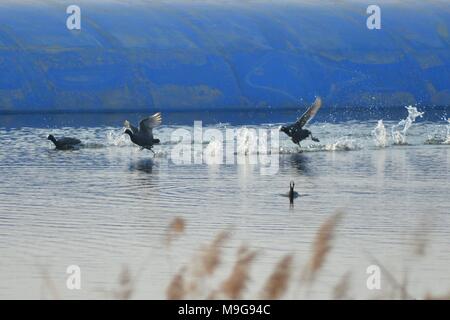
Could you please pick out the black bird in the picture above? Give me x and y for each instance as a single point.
(143, 136)
(64, 143)
(296, 131)
(292, 194)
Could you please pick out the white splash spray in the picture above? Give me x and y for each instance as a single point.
(399, 130)
(116, 139)
(342, 144)
(246, 142)
(447, 140)
(380, 134)
(213, 153)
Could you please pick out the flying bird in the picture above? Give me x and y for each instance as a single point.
(64, 143)
(143, 136)
(296, 131)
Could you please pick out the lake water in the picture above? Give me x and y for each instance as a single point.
(107, 206)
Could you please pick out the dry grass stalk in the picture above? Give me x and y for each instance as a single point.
(125, 285)
(429, 296)
(395, 284)
(176, 227)
(207, 263)
(340, 291)
(211, 256)
(235, 284)
(278, 281)
(49, 284)
(322, 245)
(421, 236)
(176, 289)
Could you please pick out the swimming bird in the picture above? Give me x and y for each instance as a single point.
(64, 143)
(292, 194)
(296, 131)
(143, 136)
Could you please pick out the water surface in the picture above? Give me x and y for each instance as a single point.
(108, 205)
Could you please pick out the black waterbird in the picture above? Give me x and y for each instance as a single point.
(296, 131)
(143, 136)
(64, 143)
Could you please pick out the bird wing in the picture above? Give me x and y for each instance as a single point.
(69, 141)
(128, 125)
(147, 124)
(309, 114)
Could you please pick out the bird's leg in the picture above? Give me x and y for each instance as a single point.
(314, 139)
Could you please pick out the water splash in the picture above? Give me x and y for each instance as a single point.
(247, 141)
(447, 140)
(115, 138)
(213, 153)
(380, 134)
(342, 144)
(399, 130)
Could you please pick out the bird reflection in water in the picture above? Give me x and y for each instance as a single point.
(144, 165)
(300, 162)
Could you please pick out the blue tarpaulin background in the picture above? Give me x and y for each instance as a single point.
(211, 55)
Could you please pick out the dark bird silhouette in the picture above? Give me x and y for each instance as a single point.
(296, 131)
(64, 143)
(292, 194)
(143, 136)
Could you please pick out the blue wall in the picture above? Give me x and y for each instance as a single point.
(176, 55)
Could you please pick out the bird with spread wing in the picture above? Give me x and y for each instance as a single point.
(296, 131)
(143, 136)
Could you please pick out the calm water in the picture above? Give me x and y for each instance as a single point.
(108, 205)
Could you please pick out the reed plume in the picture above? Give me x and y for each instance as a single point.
(176, 228)
(210, 259)
(278, 282)
(49, 283)
(429, 296)
(176, 289)
(321, 246)
(235, 284)
(340, 291)
(125, 290)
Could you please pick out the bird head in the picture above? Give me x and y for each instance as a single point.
(284, 129)
(51, 137)
(291, 185)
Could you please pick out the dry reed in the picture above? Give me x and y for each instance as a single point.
(125, 290)
(176, 289)
(210, 259)
(235, 284)
(278, 282)
(176, 228)
(341, 289)
(321, 246)
(49, 283)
